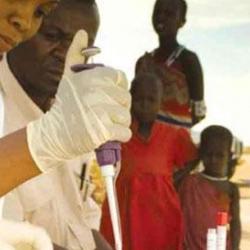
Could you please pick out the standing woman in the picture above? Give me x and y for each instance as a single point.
(85, 114)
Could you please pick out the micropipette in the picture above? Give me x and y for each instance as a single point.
(107, 156)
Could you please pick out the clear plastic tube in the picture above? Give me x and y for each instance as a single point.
(211, 239)
(108, 173)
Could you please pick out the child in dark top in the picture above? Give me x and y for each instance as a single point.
(151, 217)
(205, 194)
(178, 67)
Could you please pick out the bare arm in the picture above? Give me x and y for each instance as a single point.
(180, 174)
(235, 224)
(16, 164)
(146, 63)
(194, 75)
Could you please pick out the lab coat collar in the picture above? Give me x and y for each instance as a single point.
(13, 90)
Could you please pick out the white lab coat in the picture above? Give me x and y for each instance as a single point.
(51, 200)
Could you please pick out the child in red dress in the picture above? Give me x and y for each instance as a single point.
(151, 218)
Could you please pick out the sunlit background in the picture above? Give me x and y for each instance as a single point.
(218, 31)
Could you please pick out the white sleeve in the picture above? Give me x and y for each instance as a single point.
(15, 234)
(1, 112)
(92, 213)
(37, 192)
(12, 207)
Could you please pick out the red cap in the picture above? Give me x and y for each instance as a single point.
(222, 219)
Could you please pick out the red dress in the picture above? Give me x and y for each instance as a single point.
(151, 217)
(200, 207)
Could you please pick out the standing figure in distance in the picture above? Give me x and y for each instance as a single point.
(178, 67)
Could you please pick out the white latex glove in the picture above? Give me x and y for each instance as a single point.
(22, 235)
(91, 108)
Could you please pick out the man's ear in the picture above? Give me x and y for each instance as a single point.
(183, 22)
(231, 156)
(200, 153)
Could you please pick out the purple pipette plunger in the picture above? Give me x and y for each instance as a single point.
(109, 153)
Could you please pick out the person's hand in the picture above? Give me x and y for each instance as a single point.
(22, 236)
(91, 108)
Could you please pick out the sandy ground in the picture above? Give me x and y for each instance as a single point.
(242, 177)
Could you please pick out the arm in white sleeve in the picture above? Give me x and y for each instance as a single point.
(14, 235)
(12, 207)
(5, 246)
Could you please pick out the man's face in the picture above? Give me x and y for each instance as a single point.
(42, 58)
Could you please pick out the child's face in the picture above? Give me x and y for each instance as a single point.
(146, 101)
(215, 157)
(167, 18)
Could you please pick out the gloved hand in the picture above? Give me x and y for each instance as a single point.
(18, 236)
(91, 108)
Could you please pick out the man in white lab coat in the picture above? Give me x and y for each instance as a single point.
(29, 77)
